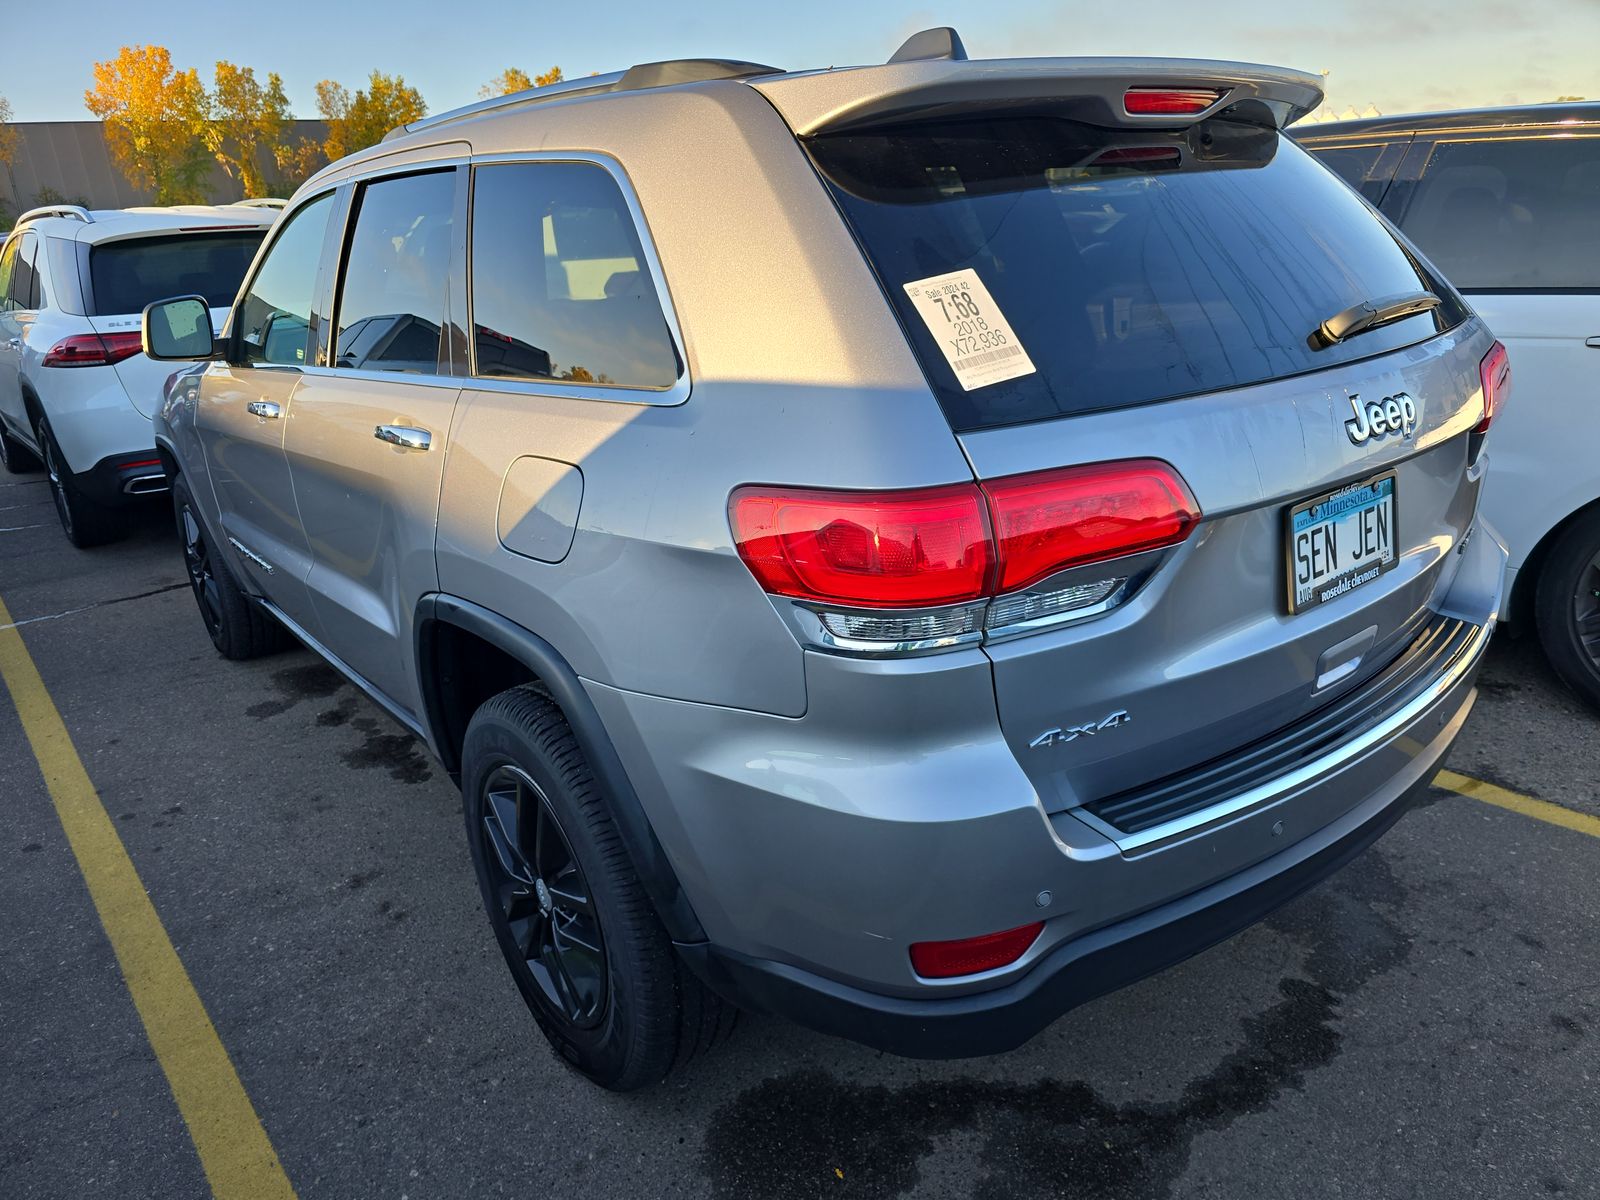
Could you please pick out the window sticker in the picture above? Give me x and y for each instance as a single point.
(969, 327)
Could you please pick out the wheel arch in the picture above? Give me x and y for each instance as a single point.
(502, 654)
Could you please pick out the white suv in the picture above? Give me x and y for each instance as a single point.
(75, 390)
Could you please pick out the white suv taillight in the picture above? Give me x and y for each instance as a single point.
(934, 566)
(92, 350)
(1495, 373)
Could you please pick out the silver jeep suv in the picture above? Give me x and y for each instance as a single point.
(909, 547)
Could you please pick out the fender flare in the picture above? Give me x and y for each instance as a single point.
(649, 860)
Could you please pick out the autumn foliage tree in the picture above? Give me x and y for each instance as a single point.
(154, 117)
(515, 79)
(249, 126)
(360, 120)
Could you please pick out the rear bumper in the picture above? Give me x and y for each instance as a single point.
(1079, 970)
(123, 478)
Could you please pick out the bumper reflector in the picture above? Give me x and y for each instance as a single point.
(969, 956)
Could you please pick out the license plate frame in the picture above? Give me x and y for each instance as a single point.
(1382, 485)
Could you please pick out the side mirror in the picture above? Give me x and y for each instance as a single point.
(178, 330)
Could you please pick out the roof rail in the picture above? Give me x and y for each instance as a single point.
(644, 75)
(931, 45)
(260, 202)
(76, 211)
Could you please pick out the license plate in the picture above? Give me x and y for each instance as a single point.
(1340, 541)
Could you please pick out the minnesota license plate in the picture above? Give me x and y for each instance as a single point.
(1340, 541)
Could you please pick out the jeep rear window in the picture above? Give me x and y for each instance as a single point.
(1131, 265)
(130, 274)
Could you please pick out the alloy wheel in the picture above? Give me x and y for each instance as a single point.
(202, 577)
(58, 490)
(1586, 609)
(541, 895)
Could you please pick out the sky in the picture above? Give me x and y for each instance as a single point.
(1400, 55)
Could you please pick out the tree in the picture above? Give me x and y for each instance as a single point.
(515, 79)
(154, 116)
(8, 154)
(358, 121)
(249, 126)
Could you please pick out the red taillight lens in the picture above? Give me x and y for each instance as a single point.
(968, 956)
(899, 549)
(92, 350)
(944, 545)
(1495, 372)
(1151, 102)
(1063, 518)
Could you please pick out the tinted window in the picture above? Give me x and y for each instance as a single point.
(1510, 213)
(560, 287)
(128, 275)
(8, 263)
(397, 270)
(1364, 168)
(1130, 267)
(24, 293)
(275, 314)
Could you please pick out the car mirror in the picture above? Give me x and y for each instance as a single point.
(178, 329)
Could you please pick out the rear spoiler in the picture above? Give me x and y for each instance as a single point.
(1087, 89)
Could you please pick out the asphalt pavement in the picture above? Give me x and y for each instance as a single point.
(1421, 1025)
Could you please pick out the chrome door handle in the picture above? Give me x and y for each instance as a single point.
(263, 408)
(13, 343)
(404, 435)
(1593, 343)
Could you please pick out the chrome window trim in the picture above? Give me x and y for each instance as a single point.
(666, 397)
(1303, 776)
(431, 379)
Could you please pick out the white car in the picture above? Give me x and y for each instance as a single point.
(76, 391)
(1506, 203)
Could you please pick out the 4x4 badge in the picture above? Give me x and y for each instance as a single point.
(1376, 419)
(1068, 733)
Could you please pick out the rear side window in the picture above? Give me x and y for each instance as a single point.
(8, 265)
(1510, 212)
(560, 286)
(396, 273)
(24, 290)
(1129, 267)
(132, 273)
(274, 317)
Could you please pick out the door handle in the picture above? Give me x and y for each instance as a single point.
(263, 408)
(1593, 343)
(13, 343)
(404, 435)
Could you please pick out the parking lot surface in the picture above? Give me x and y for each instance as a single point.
(1425, 1023)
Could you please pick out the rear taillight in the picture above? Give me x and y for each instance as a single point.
(1047, 522)
(1157, 101)
(1495, 373)
(969, 956)
(964, 544)
(92, 350)
(871, 549)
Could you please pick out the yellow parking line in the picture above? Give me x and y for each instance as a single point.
(234, 1150)
(1539, 810)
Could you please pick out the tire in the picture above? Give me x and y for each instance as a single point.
(14, 456)
(85, 522)
(584, 945)
(1567, 606)
(239, 627)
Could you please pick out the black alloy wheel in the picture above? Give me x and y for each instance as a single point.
(543, 898)
(202, 576)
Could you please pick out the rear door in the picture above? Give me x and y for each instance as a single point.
(368, 438)
(1153, 295)
(1513, 218)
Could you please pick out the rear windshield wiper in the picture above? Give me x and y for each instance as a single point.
(1368, 315)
